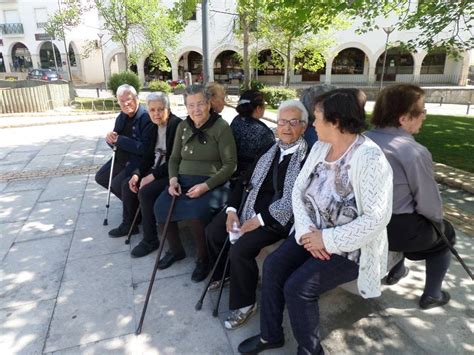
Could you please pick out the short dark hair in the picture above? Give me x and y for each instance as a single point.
(344, 108)
(309, 95)
(249, 101)
(394, 102)
(195, 89)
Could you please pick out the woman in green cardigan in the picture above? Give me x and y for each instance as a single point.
(203, 159)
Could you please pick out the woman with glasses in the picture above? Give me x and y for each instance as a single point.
(263, 196)
(399, 113)
(202, 161)
(342, 202)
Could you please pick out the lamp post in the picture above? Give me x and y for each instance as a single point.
(387, 30)
(102, 55)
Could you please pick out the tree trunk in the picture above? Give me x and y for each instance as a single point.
(125, 48)
(287, 64)
(246, 30)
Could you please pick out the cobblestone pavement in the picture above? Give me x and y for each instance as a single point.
(66, 288)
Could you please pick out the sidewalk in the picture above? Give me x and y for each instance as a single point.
(66, 288)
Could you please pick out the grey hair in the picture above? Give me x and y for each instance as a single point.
(158, 96)
(294, 104)
(194, 90)
(126, 89)
(309, 95)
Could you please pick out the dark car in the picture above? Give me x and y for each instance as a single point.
(43, 74)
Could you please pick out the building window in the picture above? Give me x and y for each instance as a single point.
(349, 61)
(398, 61)
(72, 56)
(270, 63)
(434, 63)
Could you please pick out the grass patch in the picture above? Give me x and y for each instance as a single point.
(450, 139)
(95, 104)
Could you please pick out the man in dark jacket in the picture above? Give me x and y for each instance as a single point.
(131, 136)
(151, 177)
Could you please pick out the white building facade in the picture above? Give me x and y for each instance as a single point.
(354, 59)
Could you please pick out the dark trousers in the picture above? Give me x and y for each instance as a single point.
(146, 198)
(118, 176)
(243, 267)
(291, 274)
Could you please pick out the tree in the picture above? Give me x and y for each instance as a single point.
(140, 26)
(441, 23)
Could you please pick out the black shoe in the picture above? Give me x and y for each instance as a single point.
(169, 259)
(122, 231)
(393, 279)
(428, 302)
(201, 271)
(254, 345)
(143, 249)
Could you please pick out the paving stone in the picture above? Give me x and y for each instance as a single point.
(172, 324)
(126, 345)
(3, 186)
(91, 236)
(48, 219)
(17, 157)
(8, 233)
(75, 161)
(23, 329)
(64, 187)
(54, 149)
(26, 185)
(5, 169)
(31, 147)
(95, 198)
(44, 162)
(16, 206)
(32, 271)
(105, 282)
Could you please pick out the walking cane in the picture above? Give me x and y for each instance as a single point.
(158, 163)
(198, 305)
(165, 231)
(452, 249)
(107, 205)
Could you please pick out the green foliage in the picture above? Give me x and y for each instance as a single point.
(65, 18)
(179, 88)
(124, 78)
(254, 85)
(275, 95)
(158, 85)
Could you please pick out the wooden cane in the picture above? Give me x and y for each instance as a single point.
(160, 250)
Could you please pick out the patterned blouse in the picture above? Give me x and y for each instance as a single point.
(329, 197)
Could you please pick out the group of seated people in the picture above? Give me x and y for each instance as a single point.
(337, 196)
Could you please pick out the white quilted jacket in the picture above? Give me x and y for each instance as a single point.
(371, 177)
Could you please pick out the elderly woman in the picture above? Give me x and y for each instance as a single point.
(266, 215)
(399, 114)
(151, 177)
(217, 96)
(252, 136)
(203, 159)
(342, 202)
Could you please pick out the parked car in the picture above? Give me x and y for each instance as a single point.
(43, 74)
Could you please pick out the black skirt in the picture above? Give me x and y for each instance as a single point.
(415, 236)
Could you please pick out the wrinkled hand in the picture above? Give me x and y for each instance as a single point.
(197, 190)
(146, 180)
(231, 219)
(111, 138)
(313, 243)
(250, 225)
(175, 187)
(133, 183)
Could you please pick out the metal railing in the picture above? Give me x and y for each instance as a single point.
(11, 28)
(41, 24)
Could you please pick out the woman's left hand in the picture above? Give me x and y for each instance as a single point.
(250, 225)
(197, 190)
(313, 242)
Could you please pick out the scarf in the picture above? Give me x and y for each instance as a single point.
(199, 132)
(280, 209)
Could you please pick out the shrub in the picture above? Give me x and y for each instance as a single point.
(124, 78)
(254, 85)
(179, 88)
(158, 85)
(275, 95)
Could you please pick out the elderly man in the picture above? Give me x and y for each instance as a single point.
(151, 177)
(131, 136)
(217, 96)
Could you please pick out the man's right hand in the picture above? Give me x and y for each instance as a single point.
(175, 187)
(231, 219)
(133, 183)
(111, 138)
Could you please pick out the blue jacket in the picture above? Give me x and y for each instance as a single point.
(141, 138)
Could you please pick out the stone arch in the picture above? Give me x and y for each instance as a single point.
(228, 66)
(21, 57)
(46, 55)
(368, 53)
(268, 57)
(309, 75)
(398, 62)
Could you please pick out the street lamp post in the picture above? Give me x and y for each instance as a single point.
(102, 55)
(387, 30)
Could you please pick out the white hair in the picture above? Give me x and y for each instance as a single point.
(294, 104)
(158, 96)
(126, 89)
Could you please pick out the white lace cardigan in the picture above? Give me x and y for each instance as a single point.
(371, 178)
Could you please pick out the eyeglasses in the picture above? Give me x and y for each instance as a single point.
(293, 122)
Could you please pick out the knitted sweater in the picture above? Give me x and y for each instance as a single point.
(216, 159)
(371, 177)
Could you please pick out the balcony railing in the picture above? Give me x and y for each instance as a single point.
(41, 24)
(11, 28)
